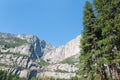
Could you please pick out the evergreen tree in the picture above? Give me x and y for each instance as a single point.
(87, 41)
(107, 12)
(102, 15)
(100, 44)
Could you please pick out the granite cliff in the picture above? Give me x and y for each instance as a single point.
(28, 56)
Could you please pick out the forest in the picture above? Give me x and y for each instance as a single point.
(100, 43)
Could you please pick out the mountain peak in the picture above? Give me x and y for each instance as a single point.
(69, 49)
(28, 55)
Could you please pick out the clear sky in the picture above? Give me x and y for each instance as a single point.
(56, 21)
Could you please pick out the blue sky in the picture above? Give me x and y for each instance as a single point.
(56, 21)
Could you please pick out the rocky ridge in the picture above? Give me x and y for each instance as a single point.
(25, 55)
(58, 54)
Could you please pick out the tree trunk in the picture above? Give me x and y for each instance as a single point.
(109, 67)
(101, 75)
(116, 73)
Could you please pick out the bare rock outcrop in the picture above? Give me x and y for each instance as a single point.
(24, 55)
(58, 54)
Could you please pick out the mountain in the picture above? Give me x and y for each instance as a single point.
(58, 54)
(24, 44)
(28, 56)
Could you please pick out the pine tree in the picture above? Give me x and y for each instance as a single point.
(107, 12)
(115, 24)
(100, 43)
(87, 41)
(103, 43)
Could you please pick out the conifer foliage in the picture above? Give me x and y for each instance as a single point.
(88, 38)
(100, 43)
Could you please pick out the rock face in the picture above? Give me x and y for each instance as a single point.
(56, 75)
(28, 56)
(62, 68)
(19, 53)
(31, 45)
(62, 52)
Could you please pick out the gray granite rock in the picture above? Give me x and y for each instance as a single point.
(58, 54)
(24, 59)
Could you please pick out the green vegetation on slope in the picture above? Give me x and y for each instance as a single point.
(15, 54)
(12, 42)
(42, 62)
(9, 76)
(62, 71)
(70, 60)
(5, 65)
